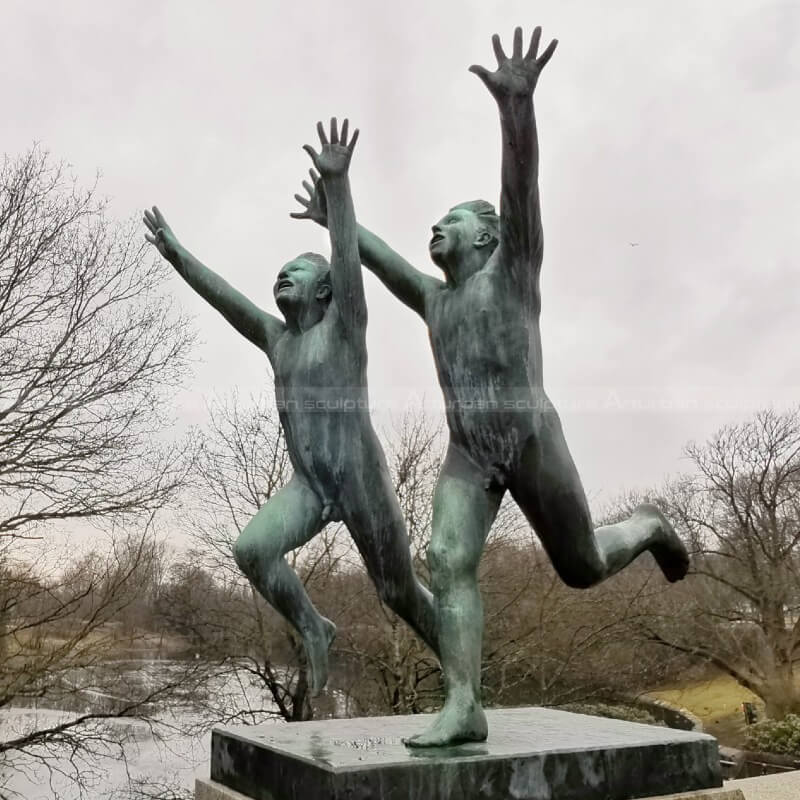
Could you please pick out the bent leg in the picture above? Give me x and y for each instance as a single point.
(547, 488)
(463, 513)
(286, 521)
(379, 532)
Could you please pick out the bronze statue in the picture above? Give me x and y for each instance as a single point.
(319, 359)
(505, 435)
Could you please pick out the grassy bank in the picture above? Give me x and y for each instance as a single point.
(717, 702)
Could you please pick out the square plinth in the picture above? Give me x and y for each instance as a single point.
(531, 754)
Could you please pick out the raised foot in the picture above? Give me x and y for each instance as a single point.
(455, 723)
(669, 551)
(317, 645)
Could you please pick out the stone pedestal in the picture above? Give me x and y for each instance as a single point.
(210, 790)
(531, 754)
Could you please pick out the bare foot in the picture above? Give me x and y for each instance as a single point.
(456, 722)
(669, 551)
(317, 645)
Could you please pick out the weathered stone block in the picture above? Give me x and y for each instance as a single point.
(531, 754)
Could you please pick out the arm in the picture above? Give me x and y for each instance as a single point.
(408, 284)
(261, 328)
(333, 162)
(512, 86)
(405, 282)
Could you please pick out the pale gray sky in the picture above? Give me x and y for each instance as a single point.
(673, 125)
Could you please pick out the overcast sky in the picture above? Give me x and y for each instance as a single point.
(672, 126)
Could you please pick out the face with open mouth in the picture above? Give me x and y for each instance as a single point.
(452, 233)
(296, 281)
(303, 283)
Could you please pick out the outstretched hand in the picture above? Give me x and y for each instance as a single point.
(516, 76)
(316, 204)
(334, 156)
(160, 234)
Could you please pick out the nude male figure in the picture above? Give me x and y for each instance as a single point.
(319, 358)
(505, 435)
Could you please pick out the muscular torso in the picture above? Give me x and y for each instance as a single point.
(486, 346)
(321, 395)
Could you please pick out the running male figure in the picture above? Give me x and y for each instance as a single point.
(319, 357)
(483, 321)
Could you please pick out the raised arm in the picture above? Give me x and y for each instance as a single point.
(512, 86)
(333, 162)
(408, 284)
(261, 328)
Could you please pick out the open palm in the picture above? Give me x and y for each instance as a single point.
(335, 154)
(515, 76)
(316, 204)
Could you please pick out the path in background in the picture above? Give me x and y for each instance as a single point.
(770, 787)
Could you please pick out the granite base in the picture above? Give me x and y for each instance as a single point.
(531, 754)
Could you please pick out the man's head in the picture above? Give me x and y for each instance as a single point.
(469, 232)
(304, 283)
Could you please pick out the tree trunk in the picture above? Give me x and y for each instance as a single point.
(781, 697)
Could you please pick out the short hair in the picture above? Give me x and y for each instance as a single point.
(322, 266)
(486, 215)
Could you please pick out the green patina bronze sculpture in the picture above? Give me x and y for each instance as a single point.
(319, 358)
(505, 435)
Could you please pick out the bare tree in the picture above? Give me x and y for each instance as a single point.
(91, 352)
(740, 509)
(89, 349)
(549, 644)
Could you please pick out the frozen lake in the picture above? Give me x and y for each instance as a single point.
(144, 761)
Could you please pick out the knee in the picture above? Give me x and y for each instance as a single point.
(578, 579)
(249, 553)
(580, 572)
(450, 560)
(243, 553)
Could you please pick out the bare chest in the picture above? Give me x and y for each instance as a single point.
(319, 370)
(478, 326)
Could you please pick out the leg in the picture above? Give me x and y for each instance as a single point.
(380, 534)
(463, 513)
(286, 521)
(547, 488)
